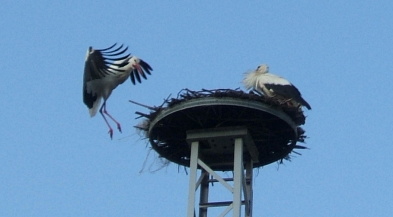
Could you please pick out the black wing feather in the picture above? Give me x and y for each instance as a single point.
(105, 49)
(119, 58)
(290, 92)
(132, 77)
(146, 67)
(137, 76)
(115, 52)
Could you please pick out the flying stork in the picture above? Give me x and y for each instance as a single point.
(273, 86)
(105, 69)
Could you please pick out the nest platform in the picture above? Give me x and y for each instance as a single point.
(272, 126)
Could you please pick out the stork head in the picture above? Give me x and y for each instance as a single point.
(262, 69)
(139, 68)
(134, 62)
(251, 79)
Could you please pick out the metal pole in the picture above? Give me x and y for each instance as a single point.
(237, 177)
(193, 175)
(204, 193)
(248, 186)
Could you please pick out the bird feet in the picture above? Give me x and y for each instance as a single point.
(110, 132)
(119, 127)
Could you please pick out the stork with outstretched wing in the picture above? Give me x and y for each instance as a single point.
(105, 69)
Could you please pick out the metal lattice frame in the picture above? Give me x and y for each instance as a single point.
(242, 178)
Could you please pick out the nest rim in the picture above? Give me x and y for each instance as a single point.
(200, 103)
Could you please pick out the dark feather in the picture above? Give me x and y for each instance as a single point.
(119, 58)
(146, 67)
(88, 98)
(115, 52)
(105, 49)
(137, 76)
(132, 77)
(288, 91)
(122, 64)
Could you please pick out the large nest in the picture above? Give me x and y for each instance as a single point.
(272, 123)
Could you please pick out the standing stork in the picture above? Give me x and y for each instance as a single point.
(105, 69)
(273, 86)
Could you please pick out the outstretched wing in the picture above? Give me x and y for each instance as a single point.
(98, 64)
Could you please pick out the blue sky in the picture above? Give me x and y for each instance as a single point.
(57, 161)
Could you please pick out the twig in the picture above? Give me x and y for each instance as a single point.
(146, 106)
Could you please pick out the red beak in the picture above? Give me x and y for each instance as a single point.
(138, 67)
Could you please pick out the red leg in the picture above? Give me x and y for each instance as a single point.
(106, 121)
(110, 116)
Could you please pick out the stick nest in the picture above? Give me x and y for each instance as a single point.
(177, 150)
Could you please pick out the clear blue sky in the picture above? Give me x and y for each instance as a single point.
(57, 161)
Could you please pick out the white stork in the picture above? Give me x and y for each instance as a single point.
(273, 86)
(104, 71)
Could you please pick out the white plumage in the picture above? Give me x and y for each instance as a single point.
(104, 71)
(273, 86)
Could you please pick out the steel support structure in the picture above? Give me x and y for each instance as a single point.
(241, 183)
